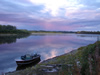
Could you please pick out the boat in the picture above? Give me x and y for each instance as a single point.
(27, 59)
(22, 67)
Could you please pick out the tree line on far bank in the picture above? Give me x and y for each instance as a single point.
(88, 32)
(77, 32)
(9, 29)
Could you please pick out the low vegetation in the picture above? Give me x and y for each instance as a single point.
(83, 61)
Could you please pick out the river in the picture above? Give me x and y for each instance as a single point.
(47, 45)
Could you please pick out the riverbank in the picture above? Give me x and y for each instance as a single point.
(84, 60)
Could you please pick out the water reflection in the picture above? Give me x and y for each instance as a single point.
(47, 46)
(10, 38)
(88, 35)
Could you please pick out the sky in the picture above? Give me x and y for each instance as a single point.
(51, 15)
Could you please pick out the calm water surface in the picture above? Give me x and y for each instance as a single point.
(47, 46)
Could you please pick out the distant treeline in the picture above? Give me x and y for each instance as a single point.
(88, 32)
(9, 29)
(77, 32)
(42, 31)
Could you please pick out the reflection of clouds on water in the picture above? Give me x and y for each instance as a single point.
(50, 54)
(88, 36)
(45, 51)
(47, 46)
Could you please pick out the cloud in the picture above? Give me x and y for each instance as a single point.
(53, 6)
(91, 3)
(51, 14)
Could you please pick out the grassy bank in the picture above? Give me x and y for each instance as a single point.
(83, 61)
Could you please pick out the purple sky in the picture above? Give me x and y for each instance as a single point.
(56, 15)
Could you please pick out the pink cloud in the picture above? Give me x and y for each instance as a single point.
(60, 25)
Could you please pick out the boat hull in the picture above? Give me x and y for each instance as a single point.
(22, 67)
(27, 62)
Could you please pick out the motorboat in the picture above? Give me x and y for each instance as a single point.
(27, 59)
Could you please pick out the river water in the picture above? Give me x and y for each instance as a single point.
(47, 45)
